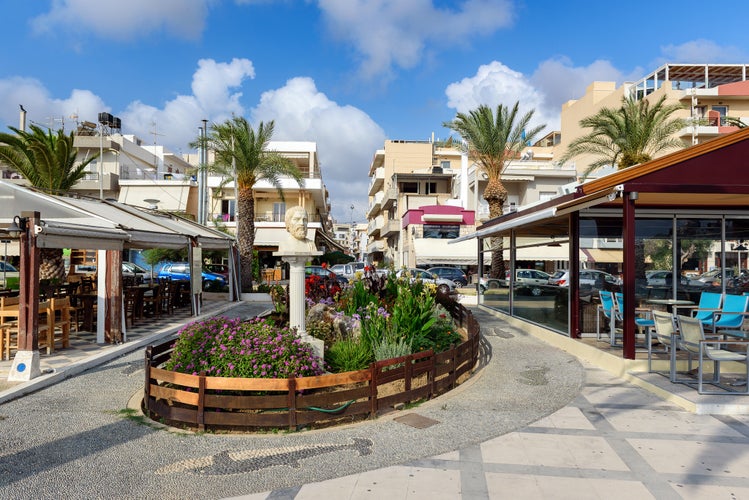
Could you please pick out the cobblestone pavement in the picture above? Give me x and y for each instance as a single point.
(533, 423)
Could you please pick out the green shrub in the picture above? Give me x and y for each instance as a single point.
(348, 355)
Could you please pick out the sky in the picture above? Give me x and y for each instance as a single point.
(346, 74)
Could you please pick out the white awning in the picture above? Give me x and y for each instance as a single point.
(438, 251)
(442, 217)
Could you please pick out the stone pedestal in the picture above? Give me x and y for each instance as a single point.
(25, 366)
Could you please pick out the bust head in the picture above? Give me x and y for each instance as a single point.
(296, 222)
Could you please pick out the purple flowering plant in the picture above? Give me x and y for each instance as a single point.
(224, 347)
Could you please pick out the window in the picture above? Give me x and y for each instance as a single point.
(431, 187)
(409, 187)
(445, 165)
(279, 212)
(441, 231)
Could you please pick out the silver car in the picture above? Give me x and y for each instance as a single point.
(443, 285)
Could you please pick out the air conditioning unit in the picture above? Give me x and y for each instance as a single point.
(436, 169)
(568, 188)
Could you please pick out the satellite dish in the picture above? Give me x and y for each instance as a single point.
(152, 203)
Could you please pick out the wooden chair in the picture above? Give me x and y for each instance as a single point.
(152, 303)
(58, 323)
(8, 324)
(131, 299)
(46, 328)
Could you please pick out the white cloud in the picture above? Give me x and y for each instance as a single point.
(346, 138)
(118, 20)
(211, 99)
(494, 84)
(559, 81)
(702, 51)
(554, 82)
(43, 109)
(388, 33)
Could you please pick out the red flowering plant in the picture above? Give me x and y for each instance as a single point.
(321, 289)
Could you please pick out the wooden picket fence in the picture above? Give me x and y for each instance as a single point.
(246, 404)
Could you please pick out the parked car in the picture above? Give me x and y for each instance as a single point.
(180, 271)
(530, 281)
(711, 278)
(7, 271)
(140, 274)
(590, 277)
(221, 269)
(324, 271)
(450, 273)
(663, 278)
(345, 270)
(443, 285)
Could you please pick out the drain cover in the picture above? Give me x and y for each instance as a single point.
(416, 420)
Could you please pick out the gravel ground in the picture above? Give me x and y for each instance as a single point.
(73, 438)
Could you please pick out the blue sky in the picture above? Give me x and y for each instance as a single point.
(348, 74)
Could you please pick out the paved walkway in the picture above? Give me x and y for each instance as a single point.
(533, 423)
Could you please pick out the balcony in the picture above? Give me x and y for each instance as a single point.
(375, 225)
(376, 246)
(90, 182)
(390, 227)
(390, 198)
(377, 181)
(375, 205)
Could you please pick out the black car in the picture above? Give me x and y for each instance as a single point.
(450, 273)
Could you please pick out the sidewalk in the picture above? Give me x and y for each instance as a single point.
(533, 423)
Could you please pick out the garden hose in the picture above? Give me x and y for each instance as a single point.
(334, 410)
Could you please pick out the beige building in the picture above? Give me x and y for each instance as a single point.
(270, 209)
(424, 193)
(709, 93)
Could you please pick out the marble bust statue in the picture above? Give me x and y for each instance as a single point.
(296, 242)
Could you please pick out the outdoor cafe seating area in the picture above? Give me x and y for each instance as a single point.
(702, 345)
(72, 307)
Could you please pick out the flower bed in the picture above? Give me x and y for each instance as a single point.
(388, 340)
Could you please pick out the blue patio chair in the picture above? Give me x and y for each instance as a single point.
(709, 303)
(692, 339)
(643, 320)
(610, 313)
(731, 315)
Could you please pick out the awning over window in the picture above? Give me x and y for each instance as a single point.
(603, 254)
(429, 251)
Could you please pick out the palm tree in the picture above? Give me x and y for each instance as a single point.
(48, 161)
(492, 142)
(241, 153)
(632, 134)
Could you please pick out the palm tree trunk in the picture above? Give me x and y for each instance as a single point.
(246, 235)
(495, 195)
(52, 265)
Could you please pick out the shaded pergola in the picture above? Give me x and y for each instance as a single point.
(709, 179)
(107, 227)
